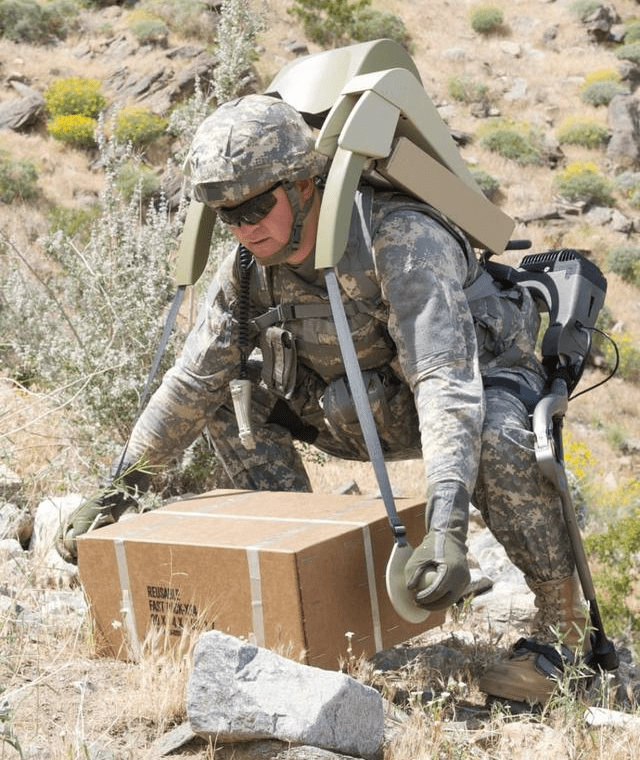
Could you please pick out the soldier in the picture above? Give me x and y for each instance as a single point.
(450, 370)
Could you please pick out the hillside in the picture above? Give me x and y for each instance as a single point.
(530, 71)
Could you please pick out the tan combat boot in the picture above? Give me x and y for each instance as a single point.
(531, 671)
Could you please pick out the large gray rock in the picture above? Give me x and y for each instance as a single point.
(22, 112)
(240, 692)
(50, 514)
(623, 116)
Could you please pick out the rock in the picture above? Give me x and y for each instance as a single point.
(16, 523)
(511, 48)
(50, 514)
(549, 37)
(240, 692)
(623, 118)
(539, 214)
(9, 548)
(523, 740)
(600, 216)
(629, 72)
(9, 483)
(600, 22)
(173, 740)
(509, 601)
(518, 90)
(455, 54)
(296, 47)
(621, 223)
(22, 112)
(597, 717)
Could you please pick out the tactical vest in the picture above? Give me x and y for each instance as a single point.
(303, 330)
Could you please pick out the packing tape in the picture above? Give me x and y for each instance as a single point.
(267, 518)
(373, 591)
(126, 608)
(255, 584)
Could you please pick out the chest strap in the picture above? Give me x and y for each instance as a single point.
(288, 311)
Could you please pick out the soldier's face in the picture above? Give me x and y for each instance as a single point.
(271, 234)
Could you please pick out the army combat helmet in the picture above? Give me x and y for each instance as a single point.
(248, 146)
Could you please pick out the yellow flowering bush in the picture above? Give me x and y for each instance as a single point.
(601, 86)
(581, 181)
(75, 129)
(602, 75)
(578, 458)
(575, 130)
(75, 95)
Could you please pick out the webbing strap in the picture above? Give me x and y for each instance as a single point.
(523, 392)
(287, 311)
(363, 408)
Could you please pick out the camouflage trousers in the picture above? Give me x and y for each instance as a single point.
(518, 504)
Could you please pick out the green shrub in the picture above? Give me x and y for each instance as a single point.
(615, 551)
(75, 129)
(37, 23)
(75, 95)
(150, 31)
(186, 17)
(630, 52)
(581, 181)
(515, 141)
(624, 260)
(18, 179)
(601, 93)
(628, 357)
(486, 19)
(328, 22)
(74, 223)
(139, 126)
(628, 183)
(133, 179)
(237, 31)
(632, 31)
(487, 183)
(588, 133)
(184, 121)
(369, 24)
(466, 90)
(584, 8)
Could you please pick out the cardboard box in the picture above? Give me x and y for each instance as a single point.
(293, 572)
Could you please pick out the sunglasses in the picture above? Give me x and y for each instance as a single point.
(250, 211)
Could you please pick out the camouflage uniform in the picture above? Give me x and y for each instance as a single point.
(425, 346)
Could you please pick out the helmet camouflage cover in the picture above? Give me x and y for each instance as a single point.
(249, 144)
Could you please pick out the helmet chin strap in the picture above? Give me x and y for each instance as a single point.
(299, 215)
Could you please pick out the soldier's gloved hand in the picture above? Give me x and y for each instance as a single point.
(104, 509)
(437, 571)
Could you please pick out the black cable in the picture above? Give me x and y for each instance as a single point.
(245, 258)
(613, 371)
